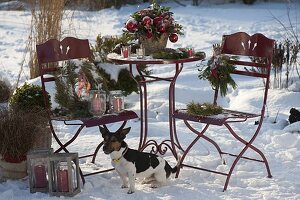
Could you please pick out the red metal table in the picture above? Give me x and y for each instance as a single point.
(173, 141)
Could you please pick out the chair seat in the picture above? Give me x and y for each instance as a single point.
(99, 120)
(227, 116)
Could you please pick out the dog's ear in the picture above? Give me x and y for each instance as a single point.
(124, 132)
(103, 131)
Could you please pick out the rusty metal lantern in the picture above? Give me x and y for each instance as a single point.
(65, 179)
(38, 168)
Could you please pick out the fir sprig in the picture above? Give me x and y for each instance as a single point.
(205, 109)
(169, 53)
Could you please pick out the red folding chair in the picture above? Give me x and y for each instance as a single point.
(49, 54)
(255, 58)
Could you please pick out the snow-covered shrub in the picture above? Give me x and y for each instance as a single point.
(27, 97)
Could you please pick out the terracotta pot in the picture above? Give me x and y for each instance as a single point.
(9, 170)
(13, 159)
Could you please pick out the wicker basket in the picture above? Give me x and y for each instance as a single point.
(152, 45)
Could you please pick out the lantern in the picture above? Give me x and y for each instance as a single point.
(65, 174)
(39, 171)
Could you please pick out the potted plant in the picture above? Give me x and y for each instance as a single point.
(18, 130)
(21, 127)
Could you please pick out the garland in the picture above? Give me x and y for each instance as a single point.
(205, 109)
(218, 71)
(174, 54)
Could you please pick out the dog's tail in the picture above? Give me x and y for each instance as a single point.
(170, 170)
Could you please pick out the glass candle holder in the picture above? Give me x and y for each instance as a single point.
(116, 101)
(125, 51)
(97, 102)
(140, 53)
(190, 52)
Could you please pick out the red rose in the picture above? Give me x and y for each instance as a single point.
(147, 20)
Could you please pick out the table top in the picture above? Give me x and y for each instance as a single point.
(117, 58)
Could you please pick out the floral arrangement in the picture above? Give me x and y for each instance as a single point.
(218, 71)
(153, 22)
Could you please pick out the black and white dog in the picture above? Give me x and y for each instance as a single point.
(131, 164)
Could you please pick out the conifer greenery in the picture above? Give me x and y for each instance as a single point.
(67, 87)
(218, 72)
(205, 109)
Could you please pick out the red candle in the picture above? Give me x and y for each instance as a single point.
(62, 180)
(40, 176)
(96, 104)
(125, 52)
(190, 52)
(117, 104)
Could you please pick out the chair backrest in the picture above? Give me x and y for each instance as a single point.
(69, 48)
(254, 52)
(52, 51)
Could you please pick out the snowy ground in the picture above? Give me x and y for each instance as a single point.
(203, 27)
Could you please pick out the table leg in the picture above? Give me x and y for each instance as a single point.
(172, 143)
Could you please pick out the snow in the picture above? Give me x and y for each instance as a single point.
(204, 26)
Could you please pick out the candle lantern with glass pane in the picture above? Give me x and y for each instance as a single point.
(116, 101)
(39, 171)
(97, 103)
(65, 174)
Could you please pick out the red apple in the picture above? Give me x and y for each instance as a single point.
(173, 37)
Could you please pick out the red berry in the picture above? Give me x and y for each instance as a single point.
(173, 37)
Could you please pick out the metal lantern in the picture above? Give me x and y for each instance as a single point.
(97, 103)
(116, 101)
(65, 174)
(38, 168)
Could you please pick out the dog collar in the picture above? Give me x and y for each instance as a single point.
(118, 160)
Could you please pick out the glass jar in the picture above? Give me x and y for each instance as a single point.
(116, 101)
(97, 102)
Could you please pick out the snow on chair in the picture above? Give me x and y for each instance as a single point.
(49, 54)
(251, 56)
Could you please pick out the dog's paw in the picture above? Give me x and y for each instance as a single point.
(130, 191)
(124, 186)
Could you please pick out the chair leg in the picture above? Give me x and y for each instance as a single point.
(249, 144)
(200, 134)
(96, 152)
(63, 146)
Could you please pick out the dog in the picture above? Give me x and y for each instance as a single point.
(131, 164)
